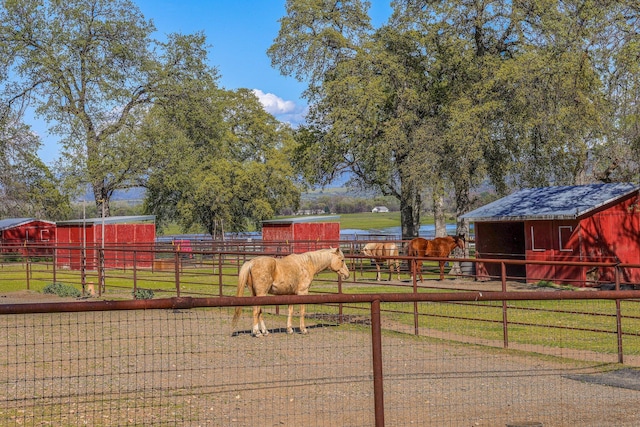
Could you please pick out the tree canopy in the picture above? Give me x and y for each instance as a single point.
(27, 186)
(221, 161)
(442, 97)
(134, 111)
(446, 95)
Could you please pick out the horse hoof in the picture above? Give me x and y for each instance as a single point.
(289, 331)
(304, 331)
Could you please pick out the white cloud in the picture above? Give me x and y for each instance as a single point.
(285, 111)
(273, 104)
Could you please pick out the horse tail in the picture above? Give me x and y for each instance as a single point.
(243, 278)
(412, 249)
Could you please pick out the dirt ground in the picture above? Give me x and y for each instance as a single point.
(28, 297)
(323, 378)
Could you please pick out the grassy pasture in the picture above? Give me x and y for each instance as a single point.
(362, 221)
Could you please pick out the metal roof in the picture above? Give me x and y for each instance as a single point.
(109, 220)
(16, 222)
(302, 219)
(566, 202)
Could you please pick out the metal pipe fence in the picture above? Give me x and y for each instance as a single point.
(82, 264)
(201, 273)
(180, 361)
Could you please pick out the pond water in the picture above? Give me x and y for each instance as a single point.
(426, 231)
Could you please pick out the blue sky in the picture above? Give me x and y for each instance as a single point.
(239, 32)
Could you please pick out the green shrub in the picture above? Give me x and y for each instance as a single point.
(546, 284)
(12, 257)
(61, 290)
(143, 293)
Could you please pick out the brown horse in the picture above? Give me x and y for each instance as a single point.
(379, 251)
(440, 247)
(291, 275)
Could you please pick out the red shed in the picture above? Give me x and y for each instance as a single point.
(303, 234)
(17, 232)
(122, 236)
(586, 223)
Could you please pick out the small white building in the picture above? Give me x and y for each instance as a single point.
(379, 209)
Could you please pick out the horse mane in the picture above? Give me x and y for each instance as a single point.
(318, 257)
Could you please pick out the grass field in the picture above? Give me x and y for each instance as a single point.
(362, 221)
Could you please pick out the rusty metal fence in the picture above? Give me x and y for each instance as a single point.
(204, 268)
(179, 361)
(378, 353)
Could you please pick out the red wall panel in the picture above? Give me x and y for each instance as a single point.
(301, 236)
(138, 238)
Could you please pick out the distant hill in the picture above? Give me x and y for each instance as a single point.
(130, 195)
(138, 194)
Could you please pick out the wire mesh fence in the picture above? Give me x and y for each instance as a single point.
(190, 366)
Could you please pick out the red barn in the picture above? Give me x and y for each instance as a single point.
(586, 223)
(300, 234)
(122, 235)
(16, 233)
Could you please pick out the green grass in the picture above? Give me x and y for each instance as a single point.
(372, 221)
(362, 221)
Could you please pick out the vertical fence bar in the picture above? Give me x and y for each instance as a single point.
(101, 284)
(376, 346)
(176, 265)
(416, 331)
(55, 259)
(355, 262)
(619, 317)
(340, 304)
(83, 268)
(135, 272)
(28, 274)
(505, 321)
(219, 273)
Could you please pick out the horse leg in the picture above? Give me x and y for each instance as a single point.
(263, 327)
(257, 314)
(303, 329)
(377, 271)
(441, 270)
(259, 329)
(289, 328)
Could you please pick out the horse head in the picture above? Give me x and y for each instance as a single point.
(460, 241)
(337, 263)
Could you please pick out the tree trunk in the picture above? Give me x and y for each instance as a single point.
(438, 210)
(102, 197)
(463, 204)
(410, 203)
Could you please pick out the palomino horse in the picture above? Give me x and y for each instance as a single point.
(379, 251)
(440, 247)
(291, 275)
